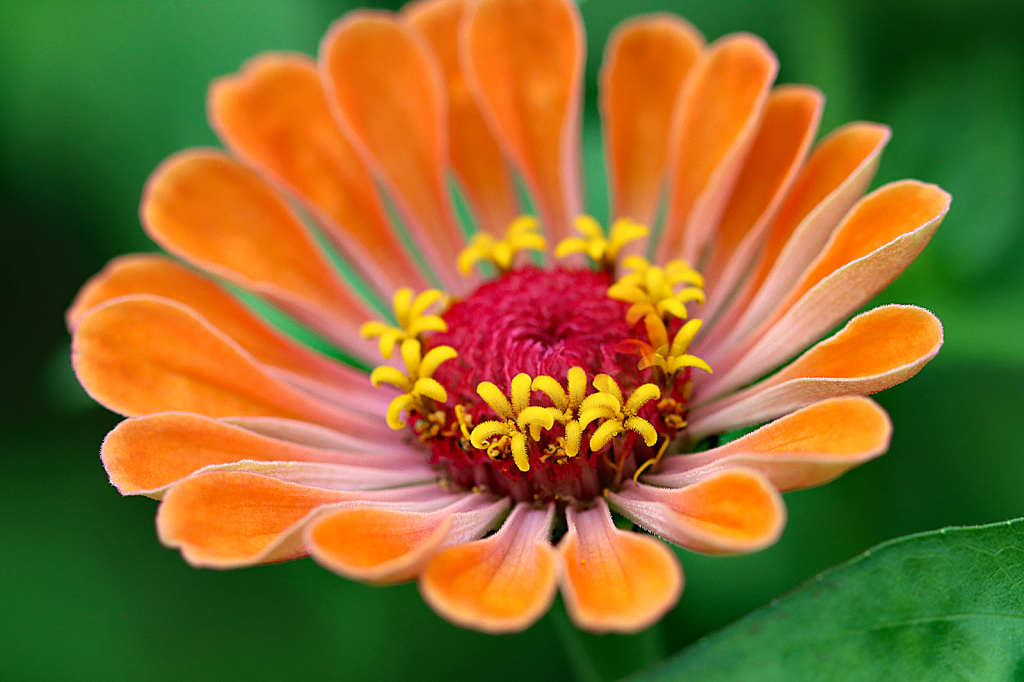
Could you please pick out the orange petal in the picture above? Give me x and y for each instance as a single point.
(809, 447)
(274, 115)
(614, 580)
(475, 155)
(232, 519)
(833, 179)
(502, 583)
(208, 209)
(144, 355)
(715, 125)
(146, 454)
(732, 511)
(645, 63)
(523, 60)
(387, 91)
(875, 350)
(142, 274)
(877, 240)
(315, 436)
(788, 126)
(381, 544)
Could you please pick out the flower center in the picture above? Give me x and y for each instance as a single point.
(546, 385)
(541, 324)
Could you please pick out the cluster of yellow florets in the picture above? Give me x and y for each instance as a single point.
(572, 408)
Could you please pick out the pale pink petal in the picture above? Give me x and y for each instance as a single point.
(875, 350)
(381, 543)
(879, 238)
(809, 447)
(788, 126)
(732, 511)
(833, 179)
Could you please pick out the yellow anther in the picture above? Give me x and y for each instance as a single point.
(603, 251)
(418, 384)
(566, 403)
(517, 419)
(523, 234)
(412, 320)
(656, 290)
(607, 404)
(677, 271)
(669, 357)
(464, 421)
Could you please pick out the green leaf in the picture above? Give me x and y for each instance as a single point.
(942, 605)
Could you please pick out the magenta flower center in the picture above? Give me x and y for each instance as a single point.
(540, 323)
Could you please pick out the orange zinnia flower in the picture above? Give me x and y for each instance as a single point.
(517, 411)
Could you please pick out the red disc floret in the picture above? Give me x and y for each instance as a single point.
(537, 322)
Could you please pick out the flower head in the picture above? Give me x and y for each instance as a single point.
(529, 407)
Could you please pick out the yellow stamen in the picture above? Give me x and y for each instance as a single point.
(607, 404)
(523, 234)
(603, 251)
(520, 419)
(566, 402)
(412, 320)
(670, 358)
(656, 290)
(418, 385)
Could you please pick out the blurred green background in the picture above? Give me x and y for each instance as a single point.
(93, 94)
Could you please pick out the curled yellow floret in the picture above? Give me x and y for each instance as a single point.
(418, 384)
(523, 234)
(412, 320)
(617, 415)
(518, 419)
(567, 401)
(671, 357)
(603, 251)
(658, 290)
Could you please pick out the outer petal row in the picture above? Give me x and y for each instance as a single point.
(208, 209)
(720, 501)
(157, 276)
(139, 355)
(879, 238)
(274, 116)
(875, 350)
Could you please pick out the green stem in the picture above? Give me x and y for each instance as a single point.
(576, 649)
(601, 658)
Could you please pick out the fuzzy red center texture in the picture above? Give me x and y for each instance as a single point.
(539, 322)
